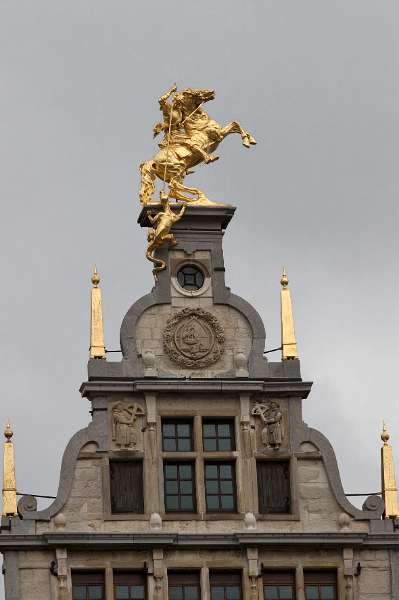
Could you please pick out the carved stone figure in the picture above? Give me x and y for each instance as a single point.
(271, 416)
(194, 338)
(125, 428)
(190, 137)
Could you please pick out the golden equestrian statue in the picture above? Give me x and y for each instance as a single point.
(190, 138)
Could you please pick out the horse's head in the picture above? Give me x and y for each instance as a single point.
(194, 97)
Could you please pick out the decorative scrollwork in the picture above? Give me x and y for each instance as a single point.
(27, 504)
(374, 503)
(194, 338)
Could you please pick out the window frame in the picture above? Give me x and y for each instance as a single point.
(219, 494)
(279, 578)
(199, 271)
(182, 578)
(177, 421)
(320, 577)
(224, 578)
(219, 421)
(180, 463)
(132, 574)
(86, 576)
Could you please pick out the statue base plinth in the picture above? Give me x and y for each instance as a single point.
(196, 217)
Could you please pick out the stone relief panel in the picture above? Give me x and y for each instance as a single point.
(269, 416)
(194, 338)
(127, 425)
(213, 344)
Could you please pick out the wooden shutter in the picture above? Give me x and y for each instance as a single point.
(279, 578)
(129, 578)
(225, 578)
(126, 483)
(274, 486)
(87, 578)
(191, 578)
(320, 577)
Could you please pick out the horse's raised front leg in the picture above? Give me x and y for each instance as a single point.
(234, 127)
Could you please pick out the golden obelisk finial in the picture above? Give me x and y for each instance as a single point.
(388, 479)
(9, 479)
(288, 340)
(97, 347)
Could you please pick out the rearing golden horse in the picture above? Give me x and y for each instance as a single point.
(191, 137)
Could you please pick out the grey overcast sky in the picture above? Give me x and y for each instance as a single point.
(317, 84)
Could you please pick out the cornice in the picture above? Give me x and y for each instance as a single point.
(275, 387)
(165, 540)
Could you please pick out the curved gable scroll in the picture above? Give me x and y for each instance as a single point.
(69, 459)
(315, 437)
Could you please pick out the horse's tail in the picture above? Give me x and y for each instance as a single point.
(159, 264)
(147, 186)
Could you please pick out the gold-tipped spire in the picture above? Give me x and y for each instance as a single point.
(9, 479)
(288, 340)
(97, 347)
(388, 479)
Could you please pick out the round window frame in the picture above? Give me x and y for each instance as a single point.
(191, 293)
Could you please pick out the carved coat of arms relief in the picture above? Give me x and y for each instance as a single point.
(194, 338)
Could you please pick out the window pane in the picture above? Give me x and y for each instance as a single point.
(95, 592)
(225, 471)
(224, 430)
(226, 487)
(172, 502)
(209, 430)
(327, 592)
(171, 472)
(183, 430)
(271, 592)
(227, 502)
(171, 487)
(79, 592)
(184, 444)
(286, 592)
(122, 592)
(224, 444)
(169, 445)
(176, 593)
(137, 592)
(212, 503)
(168, 430)
(312, 592)
(185, 471)
(212, 486)
(233, 593)
(186, 487)
(187, 503)
(211, 471)
(209, 445)
(190, 592)
(217, 593)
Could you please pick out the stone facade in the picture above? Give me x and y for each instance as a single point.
(81, 532)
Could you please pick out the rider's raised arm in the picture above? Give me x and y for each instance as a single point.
(163, 101)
